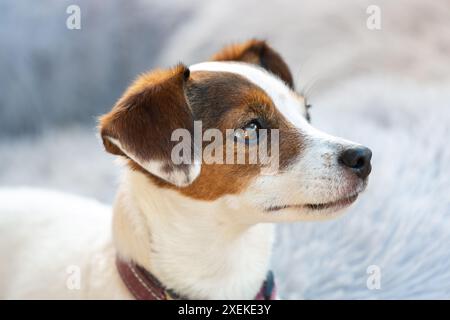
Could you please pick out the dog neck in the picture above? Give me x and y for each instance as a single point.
(198, 249)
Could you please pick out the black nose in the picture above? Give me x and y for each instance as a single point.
(358, 160)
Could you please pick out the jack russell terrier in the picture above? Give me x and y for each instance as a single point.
(190, 229)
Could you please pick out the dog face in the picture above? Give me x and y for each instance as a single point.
(245, 90)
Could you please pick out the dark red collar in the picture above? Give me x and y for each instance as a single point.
(144, 286)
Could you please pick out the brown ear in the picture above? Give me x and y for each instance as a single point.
(260, 53)
(141, 124)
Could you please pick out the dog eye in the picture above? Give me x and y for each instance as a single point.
(249, 132)
(252, 126)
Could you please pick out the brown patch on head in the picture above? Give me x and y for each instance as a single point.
(223, 100)
(260, 53)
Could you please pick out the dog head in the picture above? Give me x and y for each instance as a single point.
(243, 95)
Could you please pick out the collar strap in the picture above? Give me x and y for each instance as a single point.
(144, 286)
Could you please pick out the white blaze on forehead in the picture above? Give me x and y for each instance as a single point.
(284, 99)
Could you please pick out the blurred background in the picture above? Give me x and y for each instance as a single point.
(388, 89)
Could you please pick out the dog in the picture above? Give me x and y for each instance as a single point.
(191, 229)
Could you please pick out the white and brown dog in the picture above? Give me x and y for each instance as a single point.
(194, 230)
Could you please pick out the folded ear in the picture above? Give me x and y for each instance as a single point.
(141, 124)
(260, 53)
